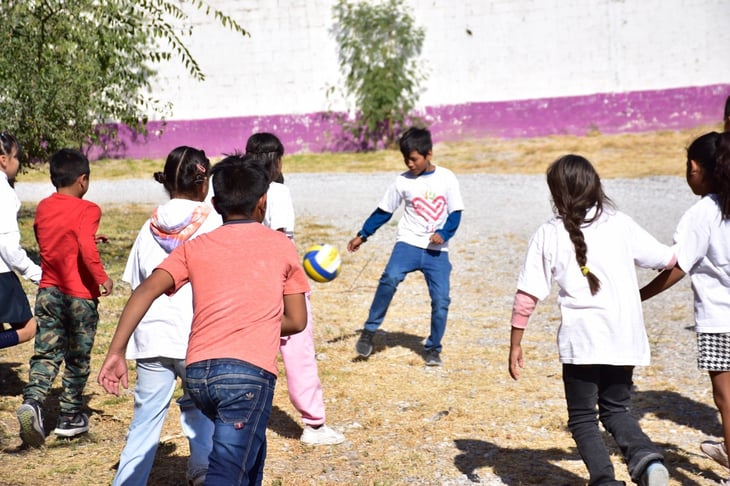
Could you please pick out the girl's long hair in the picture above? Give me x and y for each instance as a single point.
(576, 188)
(722, 173)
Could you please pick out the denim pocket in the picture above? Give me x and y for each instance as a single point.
(237, 403)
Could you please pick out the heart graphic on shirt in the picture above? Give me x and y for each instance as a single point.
(430, 210)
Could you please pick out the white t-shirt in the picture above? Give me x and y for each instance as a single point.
(702, 242)
(165, 328)
(429, 199)
(12, 255)
(606, 328)
(279, 209)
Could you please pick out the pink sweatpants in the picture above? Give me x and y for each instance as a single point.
(302, 375)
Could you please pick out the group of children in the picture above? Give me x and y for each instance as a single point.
(178, 321)
(172, 333)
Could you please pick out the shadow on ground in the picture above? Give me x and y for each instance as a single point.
(536, 466)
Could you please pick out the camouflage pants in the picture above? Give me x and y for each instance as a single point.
(66, 331)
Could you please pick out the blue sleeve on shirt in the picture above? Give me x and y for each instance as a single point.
(451, 225)
(375, 221)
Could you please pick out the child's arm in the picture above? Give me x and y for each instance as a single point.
(523, 307)
(114, 369)
(294, 319)
(516, 362)
(377, 219)
(88, 227)
(16, 258)
(661, 282)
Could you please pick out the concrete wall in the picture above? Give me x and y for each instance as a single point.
(495, 68)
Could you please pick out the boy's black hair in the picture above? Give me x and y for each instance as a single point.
(418, 139)
(66, 166)
(267, 147)
(239, 181)
(7, 143)
(727, 109)
(186, 168)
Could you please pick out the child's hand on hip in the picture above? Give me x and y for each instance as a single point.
(436, 239)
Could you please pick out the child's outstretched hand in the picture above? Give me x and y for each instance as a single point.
(516, 362)
(113, 372)
(354, 244)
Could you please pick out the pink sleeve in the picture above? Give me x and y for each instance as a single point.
(522, 309)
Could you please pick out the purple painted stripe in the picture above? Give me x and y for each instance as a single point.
(638, 111)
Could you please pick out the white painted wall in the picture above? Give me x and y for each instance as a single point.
(518, 49)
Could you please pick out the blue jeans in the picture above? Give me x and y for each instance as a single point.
(156, 378)
(237, 396)
(435, 267)
(609, 389)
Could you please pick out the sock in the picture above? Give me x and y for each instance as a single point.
(8, 338)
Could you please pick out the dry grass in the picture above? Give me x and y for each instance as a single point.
(466, 422)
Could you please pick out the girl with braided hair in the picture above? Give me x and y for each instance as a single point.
(702, 245)
(590, 249)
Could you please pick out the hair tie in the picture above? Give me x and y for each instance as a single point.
(585, 270)
(200, 167)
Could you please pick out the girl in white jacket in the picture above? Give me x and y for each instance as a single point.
(160, 341)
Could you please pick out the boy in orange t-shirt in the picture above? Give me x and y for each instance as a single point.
(248, 291)
(66, 306)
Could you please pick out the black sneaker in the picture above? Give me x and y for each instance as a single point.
(31, 423)
(364, 346)
(72, 425)
(432, 357)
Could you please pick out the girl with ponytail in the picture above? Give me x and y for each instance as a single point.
(590, 249)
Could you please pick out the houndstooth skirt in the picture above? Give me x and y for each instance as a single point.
(713, 351)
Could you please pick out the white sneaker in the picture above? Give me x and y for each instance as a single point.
(322, 435)
(716, 451)
(656, 474)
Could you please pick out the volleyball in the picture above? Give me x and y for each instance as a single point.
(322, 263)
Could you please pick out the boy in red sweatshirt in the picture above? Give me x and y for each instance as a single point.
(66, 306)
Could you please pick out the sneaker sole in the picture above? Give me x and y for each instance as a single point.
(71, 432)
(29, 434)
(327, 442)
